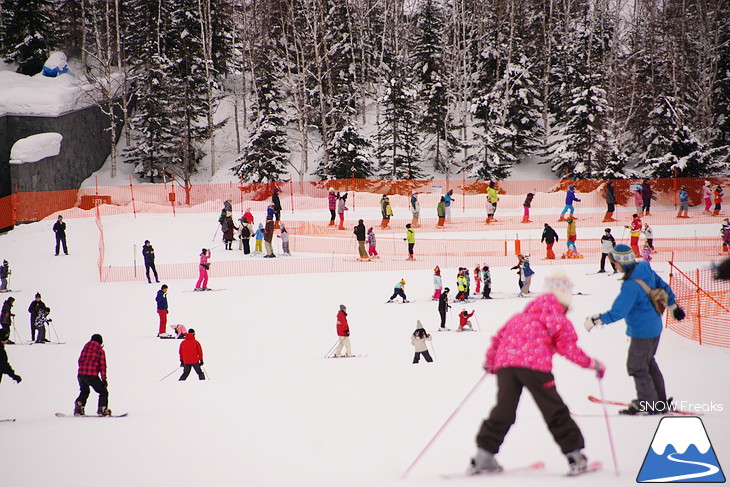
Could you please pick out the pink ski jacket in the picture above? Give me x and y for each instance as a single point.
(530, 339)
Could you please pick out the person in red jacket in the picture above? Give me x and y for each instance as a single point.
(464, 320)
(92, 373)
(191, 356)
(343, 332)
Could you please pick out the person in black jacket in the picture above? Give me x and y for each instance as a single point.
(6, 316)
(35, 306)
(277, 206)
(444, 307)
(5, 368)
(59, 228)
(149, 261)
(549, 236)
(361, 237)
(610, 202)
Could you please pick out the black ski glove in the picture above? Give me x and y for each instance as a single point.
(201, 362)
(181, 363)
(17, 378)
(104, 382)
(678, 313)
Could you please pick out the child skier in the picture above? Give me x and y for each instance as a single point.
(245, 230)
(725, 234)
(518, 268)
(526, 207)
(634, 233)
(649, 235)
(570, 198)
(203, 267)
(487, 278)
(4, 274)
(6, 316)
(162, 305)
(607, 244)
(572, 234)
(717, 199)
(464, 320)
(683, 203)
(707, 196)
(527, 274)
(410, 240)
(341, 209)
(284, 236)
(40, 324)
(386, 211)
(647, 252)
(418, 340)
(549, 236)
(478, 278)
(461, 285)
(521, 357)
(372, 253)
(332, 205)
(259, 236)
(492, 200)
(441, 212)
(398, 291)
(437, 284)
(638, 200)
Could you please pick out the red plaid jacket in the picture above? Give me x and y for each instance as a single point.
(92, 360)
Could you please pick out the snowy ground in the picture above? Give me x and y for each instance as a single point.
(274, 411)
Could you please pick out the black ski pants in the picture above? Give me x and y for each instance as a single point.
(398, 292)
(186, 371)
(510, 381)
(61, 240)
(246, 245)
(648, 379)
(442, 312)
(147, 267)
(425, 354)
(603, 262)
(86, 383)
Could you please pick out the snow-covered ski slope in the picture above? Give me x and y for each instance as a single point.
(274, 412)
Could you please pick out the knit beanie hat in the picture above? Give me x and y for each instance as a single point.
(419, 326)
(343, 307)
(622, 254)
(97, 338)
(560, 285)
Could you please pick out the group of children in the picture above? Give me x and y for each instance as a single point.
(38, 319)
(262, 235)
(482, 277)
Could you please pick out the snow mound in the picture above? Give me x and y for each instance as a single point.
(36, 147)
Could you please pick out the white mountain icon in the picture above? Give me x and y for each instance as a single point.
(681, 433)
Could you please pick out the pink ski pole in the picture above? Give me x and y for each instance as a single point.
(443, 427)
(608, 427)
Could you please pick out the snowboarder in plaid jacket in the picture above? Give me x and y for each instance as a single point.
(92, 374)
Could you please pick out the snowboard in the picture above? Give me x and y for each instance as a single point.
(63, 415)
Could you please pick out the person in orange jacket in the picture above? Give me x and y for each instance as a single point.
(191, 356)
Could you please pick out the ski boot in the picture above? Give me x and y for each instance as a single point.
(484, 462)
(577, 462)
(103, 411)
(78, 409)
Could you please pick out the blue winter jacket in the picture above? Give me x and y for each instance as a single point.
(570, 197)
(633, 304)
(161, 300)
(683, 196)
(526, 269)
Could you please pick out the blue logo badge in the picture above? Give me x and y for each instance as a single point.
(681, 452)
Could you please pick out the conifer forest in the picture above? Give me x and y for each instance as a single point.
(405, 89)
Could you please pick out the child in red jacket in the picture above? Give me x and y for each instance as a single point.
(191, 356)
(464, 320)
(343, 332)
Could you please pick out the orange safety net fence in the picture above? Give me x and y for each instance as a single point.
(707, 304)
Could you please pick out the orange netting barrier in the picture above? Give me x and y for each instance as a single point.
(707, 304)
(172, 197)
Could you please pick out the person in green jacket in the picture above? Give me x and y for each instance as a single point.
(492, 199)
(441, 212)
(411, 239)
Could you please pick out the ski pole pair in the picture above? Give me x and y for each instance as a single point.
(205, 372)
(332, 348)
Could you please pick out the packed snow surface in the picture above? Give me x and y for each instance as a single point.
(276, 412)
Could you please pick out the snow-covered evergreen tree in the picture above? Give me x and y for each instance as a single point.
(341, 88)
(398, 138)
(153, 144)
(427, 54)
(27, 33)
(492, 159)
(349, 156)
(266, 155)
(673, 147)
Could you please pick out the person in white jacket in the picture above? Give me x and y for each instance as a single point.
(415, 207)
(418, 340)
(607, 244)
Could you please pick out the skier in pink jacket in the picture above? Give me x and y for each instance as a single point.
(521, 357)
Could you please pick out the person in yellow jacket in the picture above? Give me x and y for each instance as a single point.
(462, 285)
(411, 239)
(492, 199)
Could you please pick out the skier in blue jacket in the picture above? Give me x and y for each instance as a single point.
(643, 326)
(569, 199)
